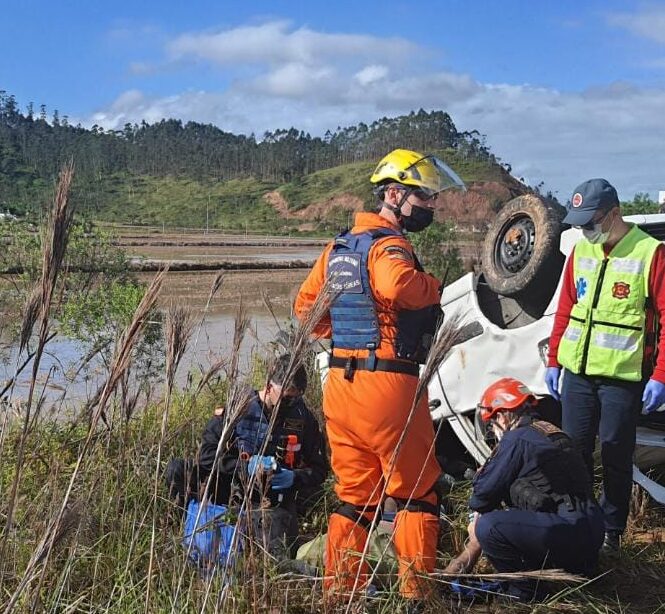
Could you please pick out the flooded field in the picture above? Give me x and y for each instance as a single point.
(249, 287)
(255, 290)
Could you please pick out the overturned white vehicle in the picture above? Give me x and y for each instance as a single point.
(507, 311)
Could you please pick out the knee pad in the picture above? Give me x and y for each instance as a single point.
(418, 505)
(357, 513)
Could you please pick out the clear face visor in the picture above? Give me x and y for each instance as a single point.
(484, 427)
(434, 175)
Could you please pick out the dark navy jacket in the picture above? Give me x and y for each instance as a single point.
(311, 464)
(519, 454)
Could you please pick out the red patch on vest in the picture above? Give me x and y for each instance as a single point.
(577, 199)
(620, 289)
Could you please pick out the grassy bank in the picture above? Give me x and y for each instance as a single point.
(101, 556)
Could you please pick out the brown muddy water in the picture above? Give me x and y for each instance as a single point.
(64, 387)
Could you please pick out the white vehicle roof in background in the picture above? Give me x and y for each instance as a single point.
(572, 235)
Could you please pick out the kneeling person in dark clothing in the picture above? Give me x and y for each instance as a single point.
(288, 460)
(533, 499)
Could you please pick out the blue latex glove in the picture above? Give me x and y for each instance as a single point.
(260, 463)
(653, 396)
(282, 479)
(552, 375)
(475, 588)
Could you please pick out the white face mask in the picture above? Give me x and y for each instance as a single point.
(596, 235)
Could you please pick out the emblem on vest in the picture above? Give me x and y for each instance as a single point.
(620, 290)
(345, 273)
(580, 287)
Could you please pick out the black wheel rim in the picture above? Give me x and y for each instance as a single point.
(513, 247)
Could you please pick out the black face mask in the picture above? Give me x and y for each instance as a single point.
(287, 402)
(419, 219)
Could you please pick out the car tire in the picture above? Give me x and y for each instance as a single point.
(521, 249)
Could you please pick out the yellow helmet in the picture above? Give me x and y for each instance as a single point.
(410, 168)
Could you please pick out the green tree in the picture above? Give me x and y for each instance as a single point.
(97, 295)
(437, 252)
(641, 203)
(97, 318)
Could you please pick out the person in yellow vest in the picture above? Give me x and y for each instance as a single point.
(604, 338)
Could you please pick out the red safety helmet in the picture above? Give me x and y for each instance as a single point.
(506, 394)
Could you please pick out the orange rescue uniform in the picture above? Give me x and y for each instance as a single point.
(367, 416)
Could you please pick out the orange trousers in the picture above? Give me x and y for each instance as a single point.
(365, 420)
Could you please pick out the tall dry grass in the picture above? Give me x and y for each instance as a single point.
(38, 562)
(38, 310)
(179, 327)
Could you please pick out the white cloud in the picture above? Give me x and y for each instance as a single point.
(276, 42)
(564, 139)
(371, 74)
(648, 22)
(304, 81)
(295, 80)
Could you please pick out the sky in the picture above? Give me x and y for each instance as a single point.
(564, 90)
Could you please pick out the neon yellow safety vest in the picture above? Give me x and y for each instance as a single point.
(606, 332)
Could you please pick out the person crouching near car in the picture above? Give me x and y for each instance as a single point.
(533, 500)
(288, 462)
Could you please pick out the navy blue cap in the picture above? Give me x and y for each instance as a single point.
(589, 197)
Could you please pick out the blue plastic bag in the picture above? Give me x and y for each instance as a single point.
(210, 541)
(472, 589)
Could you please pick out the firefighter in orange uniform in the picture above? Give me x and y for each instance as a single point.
(381, 321)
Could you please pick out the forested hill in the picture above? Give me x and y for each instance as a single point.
(193, 173)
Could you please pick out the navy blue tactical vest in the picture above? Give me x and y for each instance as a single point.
(353, 315)
(252, 428)
(355, 325)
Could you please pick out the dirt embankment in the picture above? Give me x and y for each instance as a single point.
(316, 211)
(478, 204)
(472, 208)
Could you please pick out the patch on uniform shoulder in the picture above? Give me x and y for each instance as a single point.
(620, 289)
(398, 253)
(546, 428)
(219, 411)
(294, 424)
(581, 287)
